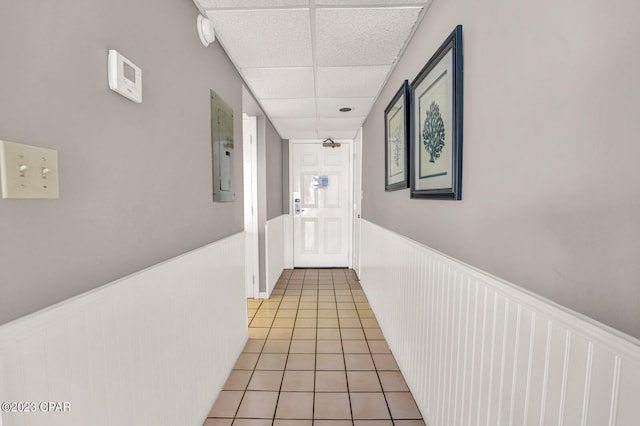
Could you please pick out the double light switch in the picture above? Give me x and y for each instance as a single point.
(28, 171)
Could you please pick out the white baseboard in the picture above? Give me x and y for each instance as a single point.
(476, 350)
(154, 348)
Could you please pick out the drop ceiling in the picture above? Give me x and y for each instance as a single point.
(305, 59)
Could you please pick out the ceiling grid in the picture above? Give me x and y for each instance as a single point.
(305, 59)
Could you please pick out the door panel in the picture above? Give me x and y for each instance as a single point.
(309, 236)
(332, 229)
(322, 225)
(334, 158)
(309, 194)
(333, 192)
(310, 159)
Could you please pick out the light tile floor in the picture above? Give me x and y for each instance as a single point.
(315, 356)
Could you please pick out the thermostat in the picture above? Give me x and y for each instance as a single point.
(124, 76)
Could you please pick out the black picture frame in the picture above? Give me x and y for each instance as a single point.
(436, 119)
(396, 140)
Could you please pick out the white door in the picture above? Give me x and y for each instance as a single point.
(321, 204)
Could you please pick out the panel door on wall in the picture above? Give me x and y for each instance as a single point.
(321, 205)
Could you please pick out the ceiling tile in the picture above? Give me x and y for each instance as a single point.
(359, 82)
(265, 38)
(302, 135)
(277, 108)
(364, 36)
(303, 60)
(330, 107)
(337, 134)
(251, 4)
(283, 83)
(369, 2)
(340, 124)
(296, 128)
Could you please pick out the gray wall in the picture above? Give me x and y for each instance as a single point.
(269, 186)
(135, 179)
(274, 172)
(285, 176)
(551, 184)
(272, 169)
(262, 198)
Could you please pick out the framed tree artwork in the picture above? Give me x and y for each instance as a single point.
(436, 117)
(396, 140)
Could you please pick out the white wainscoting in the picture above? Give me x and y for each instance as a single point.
(275, 234)
(154, 348)
(288, 242)
(476, 350)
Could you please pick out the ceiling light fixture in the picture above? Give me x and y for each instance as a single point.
(205, 31)
(345, 109)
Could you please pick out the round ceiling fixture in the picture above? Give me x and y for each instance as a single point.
(345, 109)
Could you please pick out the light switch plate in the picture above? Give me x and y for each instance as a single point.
(28, 172)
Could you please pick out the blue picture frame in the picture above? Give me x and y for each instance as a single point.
(396, 140)
(436, 123)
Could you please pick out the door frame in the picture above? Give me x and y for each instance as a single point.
(350, 218)
(250, 185)
(357, 199)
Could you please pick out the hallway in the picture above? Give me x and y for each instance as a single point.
(315, 356)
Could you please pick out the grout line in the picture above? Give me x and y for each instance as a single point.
(246, 388)
(384, 395)
(344, 358)
(312, 277)
(315, 355)
(284, 368)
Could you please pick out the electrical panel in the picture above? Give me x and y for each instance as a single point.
(222, 149)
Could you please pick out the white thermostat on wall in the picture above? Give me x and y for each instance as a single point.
(124, 76)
